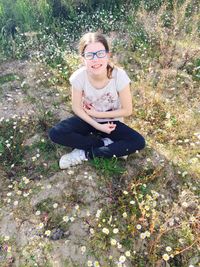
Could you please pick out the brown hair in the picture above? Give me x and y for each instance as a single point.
(93, 37)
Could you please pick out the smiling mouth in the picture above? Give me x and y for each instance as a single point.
(96, 66)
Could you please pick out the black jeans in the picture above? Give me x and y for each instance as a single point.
(76, 133)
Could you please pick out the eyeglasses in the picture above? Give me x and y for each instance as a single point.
(90, 55)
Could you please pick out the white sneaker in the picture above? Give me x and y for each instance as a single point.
(73, 158)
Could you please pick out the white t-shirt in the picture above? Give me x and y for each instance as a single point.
(104, 99)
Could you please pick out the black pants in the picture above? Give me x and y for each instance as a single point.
(76, 133)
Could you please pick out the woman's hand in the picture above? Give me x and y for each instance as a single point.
(90, 110)
(106, 127)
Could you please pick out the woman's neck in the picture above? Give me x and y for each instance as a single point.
(98, 77)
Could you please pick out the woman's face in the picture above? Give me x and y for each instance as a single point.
(96, 65)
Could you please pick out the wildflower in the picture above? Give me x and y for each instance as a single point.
(83, 249)
(96, 264)
(168, 249)
(119, 245)
(122, 259)
(41, 225)
(132, 202)
(138, 226)
(115, 230)
(8, 249)
(125, 192)
(88, 213)
(9, 194)
(98, 213)
(89, 263)
(77, 207)
(147, 233)
(165, 257)
(37, 213)
(105, 231)
(19, 192)
(184, 204)
(55, 205)
(34, 158)
(110, 257)
(25, 180)
(65, 218)
(6, 238)
(25, 194)
(143, 235)
(15, 203)
(49, 186)
(71, 219)
(47, 233)
(113, 242)
(127, 253)
(184, 174)
(91, 231)
(124, 215)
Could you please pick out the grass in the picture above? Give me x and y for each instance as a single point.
(8, 78)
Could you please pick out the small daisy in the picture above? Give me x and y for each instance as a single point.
(105, 231)
(122, 259)
(165, 257)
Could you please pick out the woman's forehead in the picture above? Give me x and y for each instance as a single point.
(93, 47)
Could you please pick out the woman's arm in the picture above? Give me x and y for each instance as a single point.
(79, 111)
(125, 110)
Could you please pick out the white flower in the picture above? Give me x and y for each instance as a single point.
(96, 264)
(19, 192)
(165, 257)
(147, 233)
(49, 186)
(91, 231)
(138, 226)
(47, 233)
(125, 192)
(122, 259)
(105, 231)
(89, 263)
(98, 213)
(119, 245)
(168, 249)
(83, 249)
(185, 204)
(37, 213)
(132, 202)
(71, 219)
(55, 205)
(15, 203)
(115, 230)
(113, 242)
(127, 253)
(124, 215)
(41, 225)
(6, 238)
(65, 218)
(143, 235)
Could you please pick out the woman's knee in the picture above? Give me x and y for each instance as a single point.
(141, 142)
(53, 134)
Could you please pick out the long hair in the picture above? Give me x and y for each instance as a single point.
(93, 37)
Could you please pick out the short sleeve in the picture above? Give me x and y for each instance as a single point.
(122, 79)
(77, 79)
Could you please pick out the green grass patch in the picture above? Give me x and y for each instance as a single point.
(8, 78)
